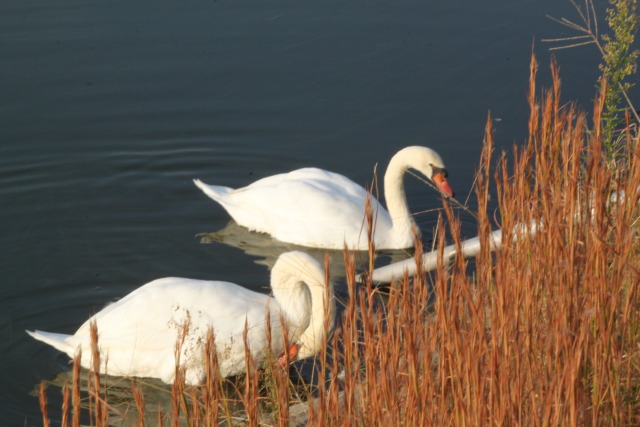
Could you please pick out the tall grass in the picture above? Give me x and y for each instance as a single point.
(546, 331)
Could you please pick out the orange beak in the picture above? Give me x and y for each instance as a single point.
(441, 181)
(284, 359)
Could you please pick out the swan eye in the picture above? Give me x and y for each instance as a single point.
(435, 170)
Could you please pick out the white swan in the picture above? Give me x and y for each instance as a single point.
(138, 334)
(317, 208)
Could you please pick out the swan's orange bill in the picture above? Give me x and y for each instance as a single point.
(441, 181)
(293, 352)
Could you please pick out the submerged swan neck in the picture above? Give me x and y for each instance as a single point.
(299, 286)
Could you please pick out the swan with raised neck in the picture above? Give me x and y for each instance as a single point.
(317, 208)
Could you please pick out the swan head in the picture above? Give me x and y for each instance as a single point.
(427, 162)
(439, 178)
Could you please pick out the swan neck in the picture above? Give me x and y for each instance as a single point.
(304, 296)
(320, 322)
(394, 193)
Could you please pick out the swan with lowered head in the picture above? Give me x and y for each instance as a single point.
(138, 334)
(317, 208)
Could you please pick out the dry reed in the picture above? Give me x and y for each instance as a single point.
(43, 405)
(546, 331)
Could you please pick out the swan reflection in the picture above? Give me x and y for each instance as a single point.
(267, 249)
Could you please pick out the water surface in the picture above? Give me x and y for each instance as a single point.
(110, 108)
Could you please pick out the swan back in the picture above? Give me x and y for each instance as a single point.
(305, 297)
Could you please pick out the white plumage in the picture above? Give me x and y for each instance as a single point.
(317, 208)
(138, 334)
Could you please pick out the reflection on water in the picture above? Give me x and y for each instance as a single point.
(158, 400)
(123, 408)
(157, 397)
(267, 249)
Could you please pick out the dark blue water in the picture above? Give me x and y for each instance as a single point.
(110, 108)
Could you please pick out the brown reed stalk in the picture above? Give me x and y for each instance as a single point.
(178, 399)
(250, 397)
(75, 389)
(370, 220)
(282, 381)
(98, 412)
(318, 417)
(212, 393)
(195, 414)
(349, 336)
(276, 380)
(43, 405)
(138, 398)
(65, 404)
(160, 416)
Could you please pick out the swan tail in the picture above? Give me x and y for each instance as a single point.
(57, 341)
(216, 192)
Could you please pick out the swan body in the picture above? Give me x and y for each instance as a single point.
(138, 334)
(317, 208)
